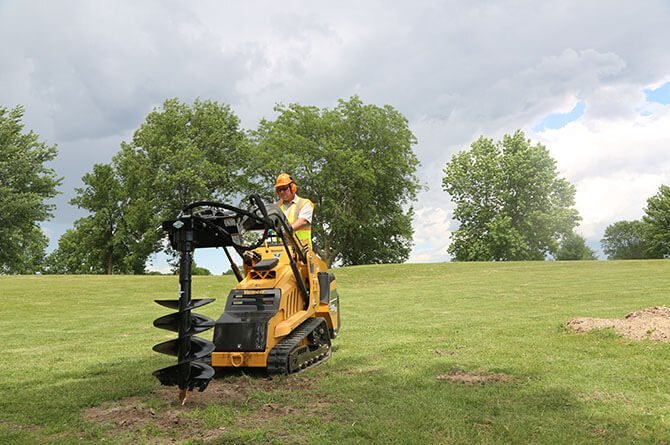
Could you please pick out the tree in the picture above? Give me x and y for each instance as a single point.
(26, 185)
(510, 202)
(198, 270)
(355, 162)
(657, 224)
(180, 154)
(77, 252)
(95, 244)
(625, 240)
(573, 247)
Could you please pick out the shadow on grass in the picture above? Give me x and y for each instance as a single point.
(418, 403)
(57, 398)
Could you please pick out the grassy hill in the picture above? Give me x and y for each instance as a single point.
(437, 353)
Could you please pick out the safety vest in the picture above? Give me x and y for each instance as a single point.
(304, 233)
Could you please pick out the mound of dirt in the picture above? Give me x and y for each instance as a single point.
(651, 323)
(474, 377)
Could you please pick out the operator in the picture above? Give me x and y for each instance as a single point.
(298, 211)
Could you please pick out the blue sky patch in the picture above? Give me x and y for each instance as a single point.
(660, 95)
(555, 121)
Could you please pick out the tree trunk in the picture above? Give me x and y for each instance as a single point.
(328, 256)
(110, 262)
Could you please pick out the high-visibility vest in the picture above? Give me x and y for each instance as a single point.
(304, 233)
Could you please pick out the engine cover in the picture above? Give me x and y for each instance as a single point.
(243, 326)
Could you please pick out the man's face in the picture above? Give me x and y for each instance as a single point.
(285, 193)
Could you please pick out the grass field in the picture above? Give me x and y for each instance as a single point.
(76, 352)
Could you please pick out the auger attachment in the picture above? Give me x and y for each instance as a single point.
(190, 372)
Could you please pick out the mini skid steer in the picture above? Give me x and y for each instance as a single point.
(281, 315)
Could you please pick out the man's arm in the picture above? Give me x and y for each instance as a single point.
(305, 216)
(298, 223)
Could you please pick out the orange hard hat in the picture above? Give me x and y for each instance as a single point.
(285, 179)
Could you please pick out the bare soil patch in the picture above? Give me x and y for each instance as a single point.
(132, 415)
(475, 377)
(651, 323)
(169, 422)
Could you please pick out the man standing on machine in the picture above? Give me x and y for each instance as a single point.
(298, 210)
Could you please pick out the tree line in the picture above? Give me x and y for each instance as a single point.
(354, 161)
(648, 237)
(513, 206)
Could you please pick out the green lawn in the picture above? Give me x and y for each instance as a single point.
(72, 343)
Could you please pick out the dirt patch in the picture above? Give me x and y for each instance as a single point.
(651, 323)
(12, 426)
(443, 352)
(475, 377)
(132, 415)
(165, 420)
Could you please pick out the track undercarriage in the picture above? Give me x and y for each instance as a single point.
(306, 347)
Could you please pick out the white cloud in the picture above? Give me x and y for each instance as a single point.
(431, 235)
(615, 164)
(595, 147)
(602, 201)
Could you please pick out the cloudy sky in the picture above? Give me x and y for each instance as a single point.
(590, 80)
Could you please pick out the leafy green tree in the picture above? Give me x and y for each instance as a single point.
(30, 258)
(573, 247)
(356, 163)
(77, 252)
(510, 202)
(180, 154)
(657, 224)
(199, 270)
(97, 242)
(625, 240)
(26, 185)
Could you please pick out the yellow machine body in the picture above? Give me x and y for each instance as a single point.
(293, 308)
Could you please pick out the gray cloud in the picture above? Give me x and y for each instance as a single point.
(89, 72)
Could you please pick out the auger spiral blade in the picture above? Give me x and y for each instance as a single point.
(200, 348)
(171, 322)
(195, 303)
(199, 375)
(189, 373)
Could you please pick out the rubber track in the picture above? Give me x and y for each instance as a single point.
(279, 356)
